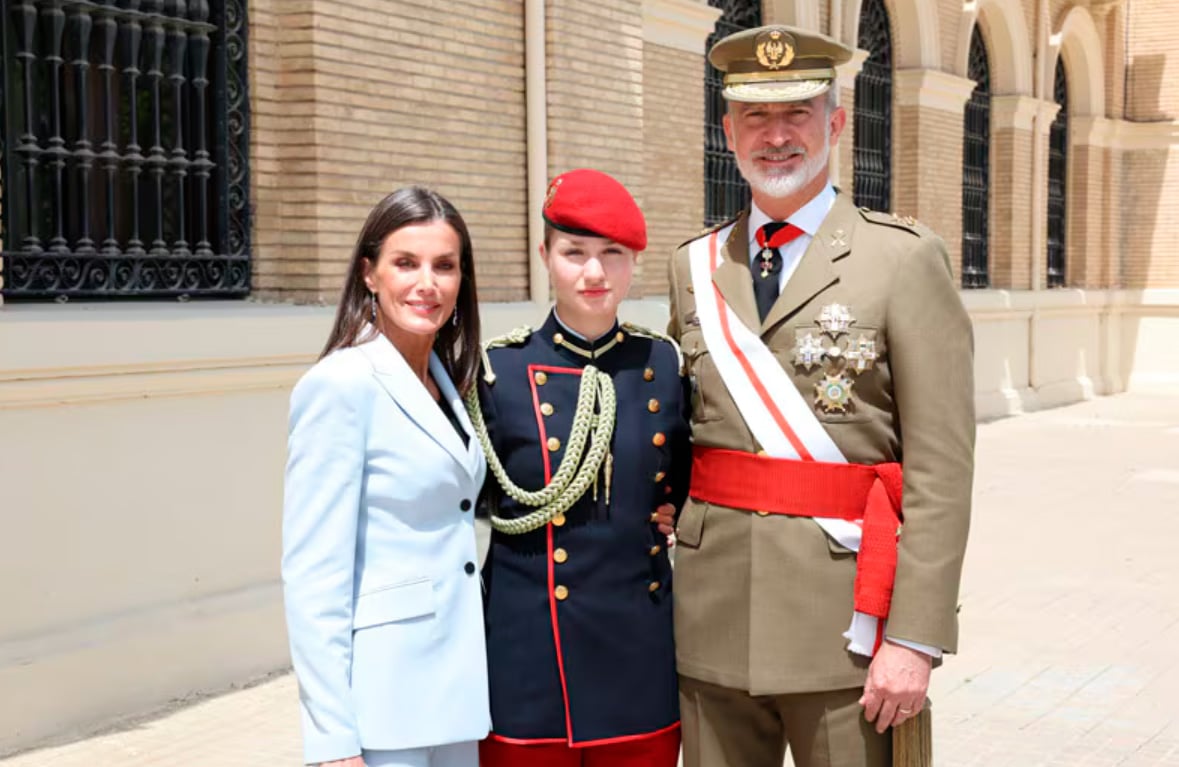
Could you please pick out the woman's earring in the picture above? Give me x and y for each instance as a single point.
(454, 317)
(372, 312)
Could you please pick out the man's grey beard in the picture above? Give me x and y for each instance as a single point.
(779, 184)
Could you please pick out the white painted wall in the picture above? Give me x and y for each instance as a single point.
(141, 456)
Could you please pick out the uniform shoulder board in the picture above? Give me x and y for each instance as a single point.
(642, 332)
(513, 337)
(896, 220)
(711, 229)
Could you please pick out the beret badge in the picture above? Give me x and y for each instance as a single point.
(775, 49)
(552, 193)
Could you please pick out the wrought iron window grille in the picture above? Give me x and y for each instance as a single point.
(872, 154)
(976, 162)
(1057, 180)
(125, 141)
(725, 191)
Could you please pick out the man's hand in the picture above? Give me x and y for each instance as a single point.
(664, 517)
(898, 679)
(352, 761)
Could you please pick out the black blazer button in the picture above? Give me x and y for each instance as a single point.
(470, 568)
(465, 505)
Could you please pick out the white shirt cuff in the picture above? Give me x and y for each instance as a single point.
(933, 652)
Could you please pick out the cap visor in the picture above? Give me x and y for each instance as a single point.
(782, 90)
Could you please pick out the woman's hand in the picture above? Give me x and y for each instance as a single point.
(352, 761)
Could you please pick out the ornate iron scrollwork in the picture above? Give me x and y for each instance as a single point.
(128, 124)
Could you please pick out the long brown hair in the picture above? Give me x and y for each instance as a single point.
(457, 347)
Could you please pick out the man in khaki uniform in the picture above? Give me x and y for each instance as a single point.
(832, 365)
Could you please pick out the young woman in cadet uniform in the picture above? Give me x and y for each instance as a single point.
(583, 422)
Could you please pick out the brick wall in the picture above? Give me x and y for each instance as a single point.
(367, 97)
(595, 92)
(1153, 76)
(673, 157)
(927, 172)
(1086, 221)
(1150, 226)
(1010, 232)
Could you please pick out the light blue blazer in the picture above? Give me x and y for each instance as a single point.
(383, 600)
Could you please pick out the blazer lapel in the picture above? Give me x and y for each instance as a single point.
(450, 395)
(399, 382)
(733, 277)
(816, 271)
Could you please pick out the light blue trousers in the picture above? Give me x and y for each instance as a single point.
(464, 754)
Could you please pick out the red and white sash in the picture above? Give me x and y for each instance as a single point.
(780, 419)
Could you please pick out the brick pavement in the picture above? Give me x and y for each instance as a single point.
(1069, 615)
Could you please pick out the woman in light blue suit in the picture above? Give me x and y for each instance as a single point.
(383, 601)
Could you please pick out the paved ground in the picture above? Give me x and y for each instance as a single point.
(1069, 620)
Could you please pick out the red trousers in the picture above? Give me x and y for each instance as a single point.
(661, 750)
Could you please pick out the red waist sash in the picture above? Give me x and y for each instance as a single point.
(869, 495)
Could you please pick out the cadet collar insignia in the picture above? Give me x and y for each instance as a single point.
(591, 353)
(840, 356)
(838, 239)
(775, 49)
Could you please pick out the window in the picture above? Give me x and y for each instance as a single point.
(1057, 172)
(873, 112)
(976, 161)
(125, 138)
(725, 192)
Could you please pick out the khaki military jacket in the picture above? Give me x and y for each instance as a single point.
(761, 602)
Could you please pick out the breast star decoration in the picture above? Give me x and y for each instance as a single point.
(840, 352)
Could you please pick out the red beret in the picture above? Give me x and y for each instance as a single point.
(588, 202)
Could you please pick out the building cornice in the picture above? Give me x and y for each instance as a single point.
(932, 89)
(846, 73)
(681, 24)
(1132, 136)
(1014, 111)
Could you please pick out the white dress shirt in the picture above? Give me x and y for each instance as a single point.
(808, 218)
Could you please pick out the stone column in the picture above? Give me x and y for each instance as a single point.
(927, 152)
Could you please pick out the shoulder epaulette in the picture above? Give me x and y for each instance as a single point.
(642, 332)
(711, 229)
(513, 337)
(895, 220)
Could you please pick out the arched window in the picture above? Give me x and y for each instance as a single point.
(1057, 170)
(873, 126)
(725, 192)
(976, 161)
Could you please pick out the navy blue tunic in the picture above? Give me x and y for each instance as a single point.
(579, 615)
